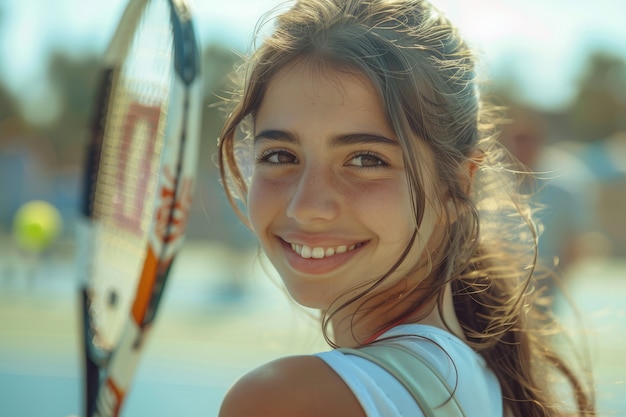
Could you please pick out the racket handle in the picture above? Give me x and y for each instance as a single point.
(92, 370)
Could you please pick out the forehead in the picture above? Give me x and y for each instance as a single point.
(309, 88)
(319, 77)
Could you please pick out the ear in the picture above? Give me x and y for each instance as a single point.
(467, 174)
(451, 211)
(469, 169)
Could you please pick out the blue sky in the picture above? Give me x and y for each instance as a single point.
(543, 42)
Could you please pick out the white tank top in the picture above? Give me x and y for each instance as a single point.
(381, 395)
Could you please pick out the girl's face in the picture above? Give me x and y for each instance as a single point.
(329, 198)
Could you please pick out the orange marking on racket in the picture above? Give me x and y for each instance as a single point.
(119, 396)
(170, 230)
(144, 289)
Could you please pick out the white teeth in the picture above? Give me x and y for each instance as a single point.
(306, 252)
(319, 252)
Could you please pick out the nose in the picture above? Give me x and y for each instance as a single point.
(315, 197)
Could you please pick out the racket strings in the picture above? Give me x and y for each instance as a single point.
(133, 145)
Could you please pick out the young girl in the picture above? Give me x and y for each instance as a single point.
(363, 158)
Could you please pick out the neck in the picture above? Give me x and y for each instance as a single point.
(376, 320)
(445, 319)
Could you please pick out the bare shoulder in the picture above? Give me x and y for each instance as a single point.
(297, 386)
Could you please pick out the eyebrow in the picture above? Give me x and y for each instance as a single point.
(335, 141)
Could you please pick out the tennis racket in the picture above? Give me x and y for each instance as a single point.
(139, 180)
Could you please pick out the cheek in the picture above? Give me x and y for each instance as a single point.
(386, 207)
(260, 202)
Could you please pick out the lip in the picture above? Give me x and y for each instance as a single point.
(315, 266)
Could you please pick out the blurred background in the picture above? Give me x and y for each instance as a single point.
(559, 66)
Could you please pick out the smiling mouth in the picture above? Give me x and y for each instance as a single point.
(308, 252)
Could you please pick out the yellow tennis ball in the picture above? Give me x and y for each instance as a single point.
(36, 225)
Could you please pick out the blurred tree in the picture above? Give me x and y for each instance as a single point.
(213, 217)
(218, 64)
(13, 127)
(8, 104)
(600, 108)
(73, 79)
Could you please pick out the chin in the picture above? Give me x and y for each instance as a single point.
(308, 301)
(309, 298)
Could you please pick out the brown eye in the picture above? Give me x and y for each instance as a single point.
(278, 157)
(367, 160)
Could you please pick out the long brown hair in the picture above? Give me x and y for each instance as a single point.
(425, 76)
